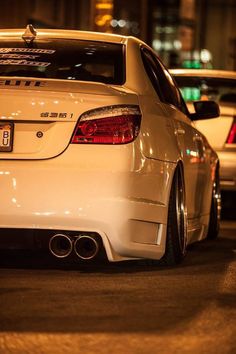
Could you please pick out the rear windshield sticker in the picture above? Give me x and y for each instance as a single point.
(27, 50)
(18, 56)
(23, 62)
(20, 59)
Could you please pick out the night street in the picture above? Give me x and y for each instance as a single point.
(50, 307)
(118, 177)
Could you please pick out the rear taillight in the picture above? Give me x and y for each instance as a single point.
(108, 125)
(231, 139)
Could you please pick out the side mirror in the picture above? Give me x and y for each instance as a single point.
(205, 110)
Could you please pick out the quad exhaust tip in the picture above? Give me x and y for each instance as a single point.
(84, 246)
(60, 245)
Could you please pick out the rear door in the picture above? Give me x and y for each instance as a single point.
(189, 140)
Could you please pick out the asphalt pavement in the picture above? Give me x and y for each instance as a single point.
(52, 307)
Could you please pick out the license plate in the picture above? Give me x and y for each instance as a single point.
(6, 136)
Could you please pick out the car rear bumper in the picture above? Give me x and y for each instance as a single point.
(227, 169)
(118, 200)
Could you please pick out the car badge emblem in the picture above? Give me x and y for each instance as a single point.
(29, 34)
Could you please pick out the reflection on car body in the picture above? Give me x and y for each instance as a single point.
(100, 158)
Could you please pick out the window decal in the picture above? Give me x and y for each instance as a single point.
(11, 58)
(23, 62)
(27, 50)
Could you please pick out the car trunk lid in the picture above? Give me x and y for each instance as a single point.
(42, 114)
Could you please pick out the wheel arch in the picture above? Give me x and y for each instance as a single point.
(179, 168)
(176, 237)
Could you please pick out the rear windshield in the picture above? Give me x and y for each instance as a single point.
(64, 59)
(217, 89)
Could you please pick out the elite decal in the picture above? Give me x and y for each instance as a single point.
(24, 83)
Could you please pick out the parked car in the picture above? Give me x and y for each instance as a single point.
(220, 132)
(98, 151)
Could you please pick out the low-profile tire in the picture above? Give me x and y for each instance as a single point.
(214, 222)
(176, 236)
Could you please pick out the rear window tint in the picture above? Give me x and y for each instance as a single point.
(64, 59)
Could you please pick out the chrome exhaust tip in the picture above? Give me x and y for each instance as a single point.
(86, 247)
(60, 245)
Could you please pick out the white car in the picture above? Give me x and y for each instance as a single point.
(98, 152)
(218, 85)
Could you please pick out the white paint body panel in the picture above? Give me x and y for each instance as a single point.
(119, 191)
(110, 192)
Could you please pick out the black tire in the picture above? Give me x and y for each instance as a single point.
(177, 223)
(214, 222)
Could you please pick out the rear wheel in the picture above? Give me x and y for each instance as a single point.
(177, 222)
(214, 222)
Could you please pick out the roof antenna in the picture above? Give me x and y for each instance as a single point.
(30, 34)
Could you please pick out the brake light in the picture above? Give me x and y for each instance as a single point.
(108, 125)
(231, 139)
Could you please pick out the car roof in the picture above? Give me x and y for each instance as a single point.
(69, 34)
(204, 73)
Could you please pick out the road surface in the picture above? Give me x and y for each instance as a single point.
(50, 307)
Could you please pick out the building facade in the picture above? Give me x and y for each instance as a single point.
(184, 33)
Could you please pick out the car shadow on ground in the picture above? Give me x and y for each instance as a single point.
(41, 296)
